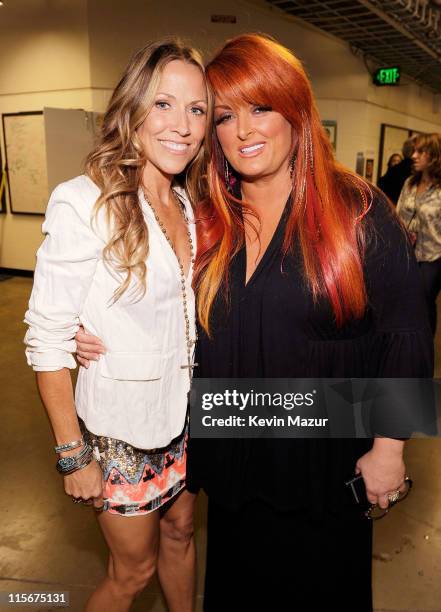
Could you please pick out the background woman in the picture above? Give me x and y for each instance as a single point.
(118, 259)
(303, 271)
(383, 181)
(394, 160)
(419, 207)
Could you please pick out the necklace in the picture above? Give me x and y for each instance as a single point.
(188, 341)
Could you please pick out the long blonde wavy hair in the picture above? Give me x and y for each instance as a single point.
(116, 164)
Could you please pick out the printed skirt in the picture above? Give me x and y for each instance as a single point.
(138, 481)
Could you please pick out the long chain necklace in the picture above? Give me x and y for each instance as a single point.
(189, 342)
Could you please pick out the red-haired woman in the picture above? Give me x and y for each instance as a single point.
(325, 285)
(419, 207)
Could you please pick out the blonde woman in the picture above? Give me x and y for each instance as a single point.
(118, 259)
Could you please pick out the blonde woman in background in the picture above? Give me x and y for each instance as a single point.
(118, 259)
(419, 207)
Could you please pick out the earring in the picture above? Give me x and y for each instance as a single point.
(311, 151)
(227, 173)
(292, 164)
(308, 148)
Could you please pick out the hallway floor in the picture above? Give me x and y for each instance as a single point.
(49, 543)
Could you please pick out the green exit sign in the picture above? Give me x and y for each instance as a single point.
(387, 76)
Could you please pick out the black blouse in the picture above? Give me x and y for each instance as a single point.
(271, 327)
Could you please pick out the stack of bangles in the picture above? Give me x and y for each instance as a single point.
(68, 465)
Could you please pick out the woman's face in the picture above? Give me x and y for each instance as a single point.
(394, 160)
(257, 141)
(421, 160)
(173, 131)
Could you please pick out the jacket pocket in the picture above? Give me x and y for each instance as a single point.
(131, 366)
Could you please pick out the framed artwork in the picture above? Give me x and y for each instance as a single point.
(3, 181)
(359, 163)
(25, 151)
(330, 128)
(369, 169)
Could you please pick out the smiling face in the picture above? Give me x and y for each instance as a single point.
(174, 128)
(257, 141)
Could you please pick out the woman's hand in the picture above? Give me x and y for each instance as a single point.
(383, 470)
(89, 348)
(86, 484)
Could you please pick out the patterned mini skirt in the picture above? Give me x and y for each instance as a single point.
(138, 481)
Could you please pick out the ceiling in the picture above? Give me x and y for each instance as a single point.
(406, 33)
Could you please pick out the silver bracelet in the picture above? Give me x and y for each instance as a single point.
(67, 465)
(68, 446)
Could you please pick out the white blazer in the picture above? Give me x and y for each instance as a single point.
(137, 392)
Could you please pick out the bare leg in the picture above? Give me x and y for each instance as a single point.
(133, 543)
(177, 553)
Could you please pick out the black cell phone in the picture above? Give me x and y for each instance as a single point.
(358, 491)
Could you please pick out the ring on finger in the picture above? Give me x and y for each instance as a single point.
(81, 500)
(393, 496)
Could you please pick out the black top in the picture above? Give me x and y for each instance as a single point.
(392, 182)
(273, 329)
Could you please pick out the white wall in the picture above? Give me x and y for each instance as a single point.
(44, 48)
(43, 45)
(133, 23)
(341, 82)
(20, 235)
(359, 127)
(70, 53)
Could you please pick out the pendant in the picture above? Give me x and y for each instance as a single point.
(190, 366)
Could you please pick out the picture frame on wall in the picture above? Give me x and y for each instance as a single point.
(25, 162)
(369, 169)
(359, 163)
(3, 181)
(330, 128)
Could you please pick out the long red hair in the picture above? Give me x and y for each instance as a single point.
(329, 201)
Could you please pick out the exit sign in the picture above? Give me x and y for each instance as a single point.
(387, 76)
